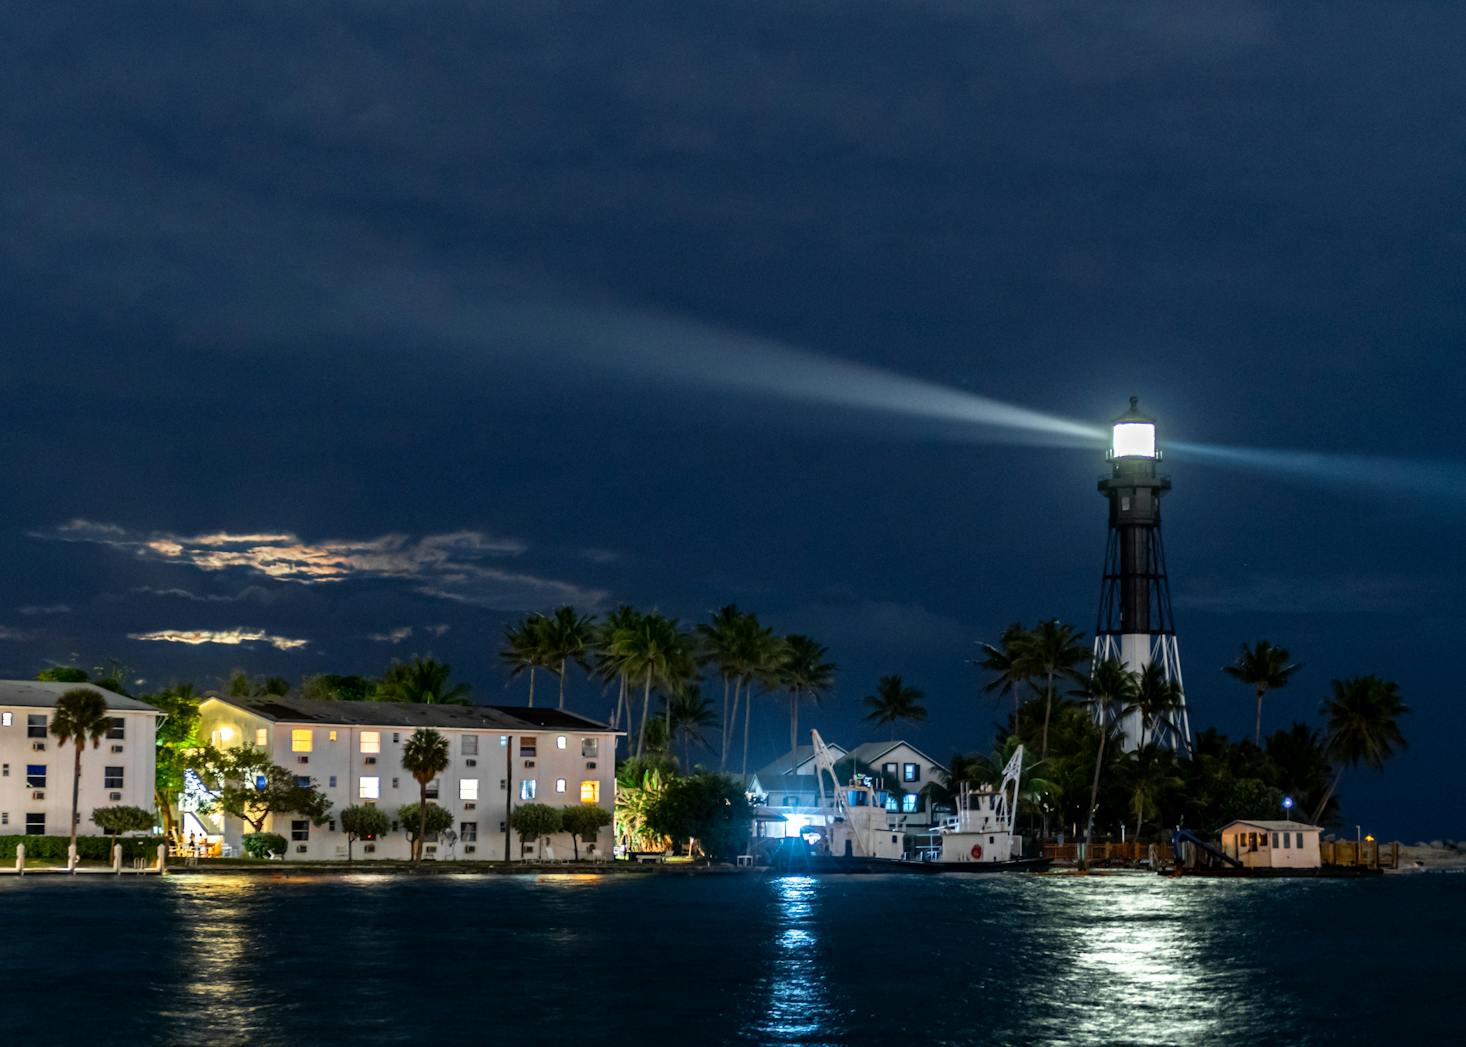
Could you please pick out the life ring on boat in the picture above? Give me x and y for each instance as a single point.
(977, 852)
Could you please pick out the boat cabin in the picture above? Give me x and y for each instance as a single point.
(1272, 844)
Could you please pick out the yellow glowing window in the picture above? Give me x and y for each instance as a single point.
(300, 740)
(590, 791)
(371, 741)
(333, 736)
(262, 737)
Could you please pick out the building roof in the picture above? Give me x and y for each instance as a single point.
(502, 718)
(785, 764)
(42, 694)
(1273, 826)
(870, 753)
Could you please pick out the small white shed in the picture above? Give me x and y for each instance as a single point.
(1273, 845)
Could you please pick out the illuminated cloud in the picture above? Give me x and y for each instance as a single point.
(229, 637)
(452, 566)
(7, 633)
(256, 593)
(436, 630)
(392, 636)
(50, 608)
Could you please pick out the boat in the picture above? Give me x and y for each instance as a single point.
(978, 839)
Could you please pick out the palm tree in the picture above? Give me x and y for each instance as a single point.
(717, 641)
(893, 701)
(422, 681)
(606, 665)
(567, 636)
(1008, 663)
(526, 648)
(1265, 668)
(803, 672)
(1111, 693)
(1149, 774)
(688, 713)
(1299, 756)
(1156, 698)
(758, 652)
(652, 650)
(424, 756)
(81, 716)
(1052, 649)
(1362, 727)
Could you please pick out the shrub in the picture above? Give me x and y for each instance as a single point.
(262, 845)
(123, 819)
(88, 848)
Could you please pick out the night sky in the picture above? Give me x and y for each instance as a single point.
(334, 333)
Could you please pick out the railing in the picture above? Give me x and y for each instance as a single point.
(1348, 853)
(1360, 853)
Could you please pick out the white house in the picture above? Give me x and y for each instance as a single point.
(36, 770)
(352, 751)
(1273, 845)
(787, 788)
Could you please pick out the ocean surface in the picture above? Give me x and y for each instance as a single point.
(755, 958)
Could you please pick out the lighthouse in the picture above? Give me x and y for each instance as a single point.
(1136, 626)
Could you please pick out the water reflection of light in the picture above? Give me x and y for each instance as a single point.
(797, 994)
(215, 995)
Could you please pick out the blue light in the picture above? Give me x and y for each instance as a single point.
(1287, 803)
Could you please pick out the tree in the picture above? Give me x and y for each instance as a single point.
(422, 681)
(252, 787)
(1156, 699)
(717, 644)
(1363, 727)
(534, 821)
(81, 716)
(607, 665)
(421, 822)
(363, 823)
(262, 845)
(243, 685)
(1265, 668)
(707, 811)
(567, 637)
(1052, 649)
(652, 650)
(1149, 776)
(1008, 665)
(122, 819)
(1302, 769)
(526, 649)
(176, 743)
(759, 653)
(804, 673)
(640, 782)
(335, 687)
(584, 822)
(63, 674)
(424, 756)
(1111, 692)
(894, 701)
(689, 714)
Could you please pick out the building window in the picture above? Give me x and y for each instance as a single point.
(911, 772)
(468, 789)
(116, 728)
(300, 830)
(302, 781)
(590, 747)
(35, 824)
(891, 804)
(262, 737)
(35, 726)
(394, 783)
(371, 741)
(35, 776)
(433, 789)
(6, 719)
(4, 817)
(503, 740)
(1300, 840)
(789, 801)
(300, 740)
(1287, 841)
(111, 777)
(4, 770)
(469, 745)
(889, 768)
(560, 741)
(590, 791)
(526, 789)
(528, 745)
(908, 802)
(468, 832)
(396, 737)
(332, 782)
(369, 788)
(332, 736)
(559, 785)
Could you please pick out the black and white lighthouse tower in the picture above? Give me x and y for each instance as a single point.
(1136, 626)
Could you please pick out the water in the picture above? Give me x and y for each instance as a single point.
(735, 959)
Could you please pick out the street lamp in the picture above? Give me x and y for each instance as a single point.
(1288, 807)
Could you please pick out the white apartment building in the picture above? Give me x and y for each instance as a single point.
(499, 757)
(36, 770)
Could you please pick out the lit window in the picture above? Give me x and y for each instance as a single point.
(35, 726)
(468, 746)
(35, 776)
(1134, 440)
(891, 804)
(333, 736)
(908, 802)
(559, 785)
(111, 777)
(371, 741)
(6, 719)
(503, 740)
(35, 824)
(262, 737)
(116, 728)
(889, 768)
(911, 772)
(526, 789)
(369, 788)
(300, 830)
(590, 791)
(300, 740)
(468, 789)
(590, 747)
(560, 741)
(468, 832)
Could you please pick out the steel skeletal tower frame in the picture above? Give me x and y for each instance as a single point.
(1136, 625)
